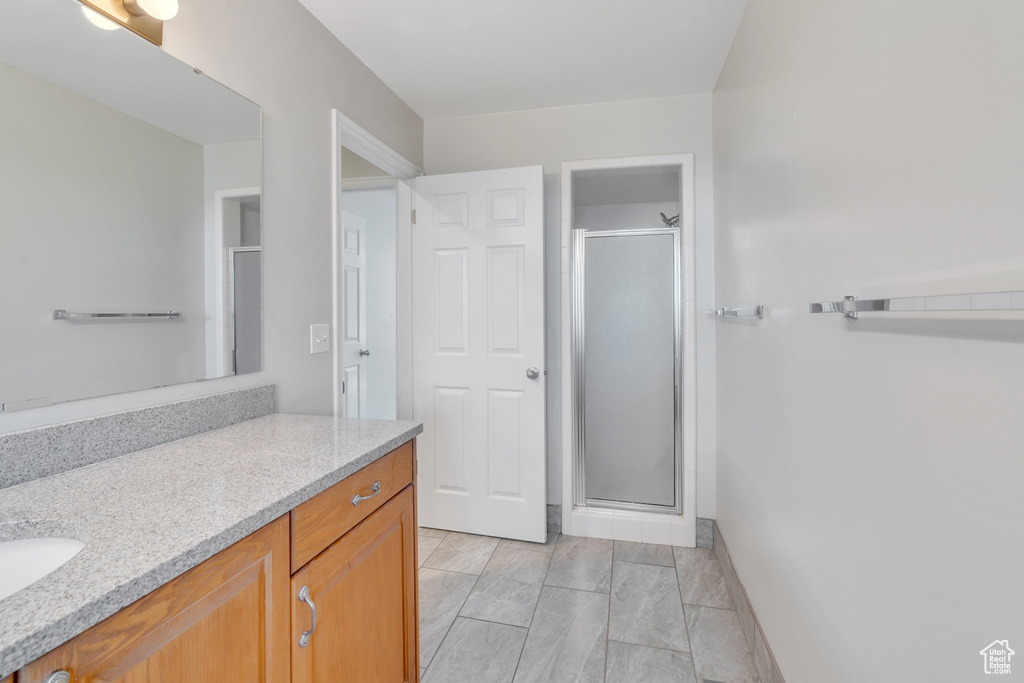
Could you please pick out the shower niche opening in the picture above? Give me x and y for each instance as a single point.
(629, 231)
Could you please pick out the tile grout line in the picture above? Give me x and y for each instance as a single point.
(461, 607)
(458, 572)
(481, 576)
(448, 571)
(581, 590)
(496, 623)
(686, 625)
(525, 550)
(570, 588)
(535, 606)
(675, 569)
(720, 609)
(608, 623)
(427, 558)
(651, 647)
(648, 564)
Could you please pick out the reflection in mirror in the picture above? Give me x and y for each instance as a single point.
(130, 185)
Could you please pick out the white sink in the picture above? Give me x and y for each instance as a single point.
(25, 561)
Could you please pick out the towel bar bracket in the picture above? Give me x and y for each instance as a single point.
(756, 311)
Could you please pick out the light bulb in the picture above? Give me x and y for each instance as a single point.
(99, 20)
(159, 9)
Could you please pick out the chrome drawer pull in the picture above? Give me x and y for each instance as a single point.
(358, 499)
(306, 635)
(59, 677)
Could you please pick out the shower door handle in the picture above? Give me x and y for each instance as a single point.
(532, 373)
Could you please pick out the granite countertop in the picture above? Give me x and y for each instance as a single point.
(150, 516)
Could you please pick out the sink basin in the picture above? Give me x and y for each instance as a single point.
(25, 561)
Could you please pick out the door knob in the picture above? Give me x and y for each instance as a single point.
(532, 373)
(364, 352)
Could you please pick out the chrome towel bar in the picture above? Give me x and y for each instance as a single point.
(738, 312)
(61, 314)
(987, 301)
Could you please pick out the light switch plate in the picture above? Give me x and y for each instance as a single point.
(319, 338)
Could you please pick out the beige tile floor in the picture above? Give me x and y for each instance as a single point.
(577, 610)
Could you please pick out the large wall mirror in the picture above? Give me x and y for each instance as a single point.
(129, 188)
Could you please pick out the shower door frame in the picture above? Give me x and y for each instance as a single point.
(632, 525)
(578, 312)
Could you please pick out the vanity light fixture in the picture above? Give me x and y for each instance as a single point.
(99, 20)
(158, 9)
(144, 17)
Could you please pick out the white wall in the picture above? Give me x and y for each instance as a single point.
(100, 212)
(624, 216)
(378, 207)
(626, 188)
(551, 136)
(276, 54)
(870, 472)
(229, 166)
(251, 224)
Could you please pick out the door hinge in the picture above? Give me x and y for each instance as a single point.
(414, 216)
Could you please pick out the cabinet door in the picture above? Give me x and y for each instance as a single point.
(225, 620)
(364, 589)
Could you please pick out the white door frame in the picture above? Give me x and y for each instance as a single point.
(376, 183)
(347, 133)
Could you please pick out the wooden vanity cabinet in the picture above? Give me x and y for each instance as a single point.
(354, 551)
(364, 589)
(224, 620)
(328, 516)
(237, 617)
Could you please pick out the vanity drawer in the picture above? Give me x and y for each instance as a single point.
(325, 518)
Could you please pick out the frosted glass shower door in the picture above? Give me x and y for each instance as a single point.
(630, 351)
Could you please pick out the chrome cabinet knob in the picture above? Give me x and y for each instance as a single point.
(532, 373)
(59, 677)
(364, 352)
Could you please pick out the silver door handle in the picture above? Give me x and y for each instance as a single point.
(532, 373)
(306, 635)
(357, 499)
(364, 352)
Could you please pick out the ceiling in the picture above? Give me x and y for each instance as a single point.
(449, 58)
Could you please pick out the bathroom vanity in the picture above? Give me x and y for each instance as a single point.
(280, 548)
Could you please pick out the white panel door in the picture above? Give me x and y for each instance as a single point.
(478, 330)
(353, 322)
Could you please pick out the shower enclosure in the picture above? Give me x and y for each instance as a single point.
(627, 353)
